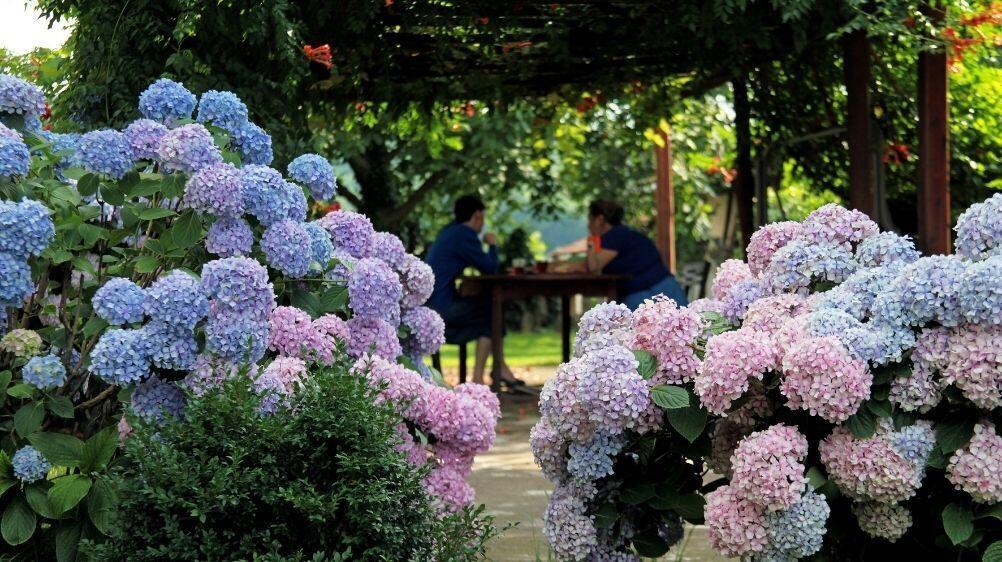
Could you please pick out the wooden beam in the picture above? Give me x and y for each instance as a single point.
(862, 187)
(744, 182)
(664, 199)
(933, 152)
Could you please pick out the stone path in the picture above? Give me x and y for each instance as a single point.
(510, 484)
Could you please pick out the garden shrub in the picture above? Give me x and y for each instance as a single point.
(320, 480)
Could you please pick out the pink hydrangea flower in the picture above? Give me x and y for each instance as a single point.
(291, 332)
(768, 467)
(834, 224)
(769, 314)
(288, 370)
(974, 364)
(727, 274)
(724, 439)
(559, 403)
(977, 468)
(449, 486)
(731, 360)
(612, 392)
(549, 450)
(766, 240)
(735, 524)
(869, 469)
(820, 376)
(882, 520)
(669, 333)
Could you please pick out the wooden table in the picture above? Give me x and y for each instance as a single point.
(502, 287)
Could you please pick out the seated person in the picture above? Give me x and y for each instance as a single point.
(456, 248)
(616, 249)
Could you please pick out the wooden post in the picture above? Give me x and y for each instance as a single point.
(934, 152)
(744, 183)
(862, 187)
(664, 200)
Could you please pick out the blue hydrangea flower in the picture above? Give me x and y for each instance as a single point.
(26, 228)
(119, 357)
(166, 101)
(979, 230)
(119, 301)
(980, 291)
(374, 290)
(271, 390)
(7, 132)
(222, 109)
(287, 245)
(317, 173)
(915, 443)
(426, 331)
(44, 372)
(15, 280)
(795, 266)
(841, 300)
(144, 136)
(239, 284)
(886, 248)
(15, 160)
(236, 338)
(739, 298)
(216, 189)
(799, 531)
(349, 231)
(176, 300)
(170, 346)
(321, 247)
(865, 284)
(157, 401)
(925, 290)
(270, 198)
(106, 152)
(188, 148)
(20, 97)
(228, 237)
(594, 458)
(29, 465)
(253, 144)
(64, 145)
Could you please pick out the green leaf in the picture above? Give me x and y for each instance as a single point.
(670, 397)
(6, 484)
(952, 434)
(307, 301)
(87, 185)
(187, 230)
(93, 326)
(67, 491)
(154, 213)
(993, 511)
(60, 406)
(58, 448)
(67, 538)
(5, 377)
(606, 515)
(98, 450)
(937, 459)
(690, 507)
(101, 505)
(66, 194)
(862, 424)
(993, 553)
(958, 522)
(689, 422)
(21, 390)
(650, 544)
(112, 195)
(879, 408)
(648, 365)
(145, 188)
(38, 498)
(636, 495)
(815, 478)
(129, 181)
(147, 264)
(18, 522)
(91, 233)
(28, 419)
(334, 299)
(83, 264)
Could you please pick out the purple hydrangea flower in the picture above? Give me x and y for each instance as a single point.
(288, 247)
(389, 248)
(222, 109)
(26, 228)
(795, 266)
(20, 97)
(373, 335)
(144, 136)
(176, 300)
(350, 231)
(321, 247)
(253, 144)
(119, 357)
(924, 290)
(229, 236)
(593, 459)
(426, 331)
(239, 284)
(237, 338)
(739, 297)
(374, 290)
(15, 280)
(317, 173)
(44, 372)
(106, 152)
(979, 229)
(797, 532)
(216, 189)
(9, 133)
(270, 198)
(119, 301)
(28, 463)
(166, 101)
(980, 291)
(418, 282)
(344, 264)
(886, 248)
(170, 346)
(157, 401)
(15, 160)
(834, 224)
(188, 148)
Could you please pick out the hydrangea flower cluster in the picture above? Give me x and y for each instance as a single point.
(886, 249)
(317, 173)
(731, 361)
(167, 102)
(374, 290)
(29, 465)
(979, 234)
(21, 343)
(977, 468)
(768, 467)
(349, 231)
(288, 247)
(215, 189)
(664, 330)
(820, 376)
(105, 152)
(26, 229)
(228, 237)
(156, 401)
(253, 144)
(834, 224)
(241, 299)
(887, 521)
(119, 301)
(15, 160)
(44, 372)
(20, 97)
(729, 273)
(270, 198)
(417, 280)
(426, 331)
(188, 149)
(222, 109)
(766, 240)
(144, 136)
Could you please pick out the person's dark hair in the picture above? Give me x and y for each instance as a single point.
(465, 207)
(612, 211)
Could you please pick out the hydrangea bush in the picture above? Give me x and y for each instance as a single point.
(141, 267)
(838, 397)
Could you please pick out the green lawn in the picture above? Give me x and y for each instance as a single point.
(521, 349)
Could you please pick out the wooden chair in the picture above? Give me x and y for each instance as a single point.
(436, 360)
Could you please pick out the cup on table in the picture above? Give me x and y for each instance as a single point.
(518, 266)
(541, 266)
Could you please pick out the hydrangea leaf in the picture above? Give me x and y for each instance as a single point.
(28, 419)
(58, 448)
(18, 523)
(689, 422)
(101, 502)
(670, 397)
(993, 553)
(958, 522)
(67, 491)
(98, 449)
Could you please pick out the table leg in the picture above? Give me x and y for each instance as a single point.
(565, 327)
(497, 337)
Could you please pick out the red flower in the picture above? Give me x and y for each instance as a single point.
(319, 55)
(896, 154)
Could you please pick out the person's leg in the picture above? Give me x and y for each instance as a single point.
(480, 361)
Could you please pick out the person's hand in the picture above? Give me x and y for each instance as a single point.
(491, 239)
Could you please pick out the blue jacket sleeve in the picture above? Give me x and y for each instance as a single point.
(472, 252)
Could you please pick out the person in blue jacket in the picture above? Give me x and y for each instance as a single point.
(617, 249)
(456, 248)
